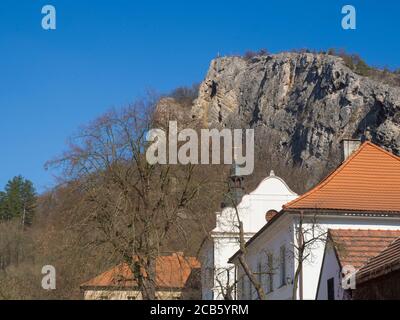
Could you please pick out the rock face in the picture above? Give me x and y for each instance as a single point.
(302, 104)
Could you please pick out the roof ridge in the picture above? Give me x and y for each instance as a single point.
(359, 229)
(163, 262)
(348, 251)
(372, 260)
(339, 169)
(328, 177)
(393, 243)
(334, 237)
(382, 150)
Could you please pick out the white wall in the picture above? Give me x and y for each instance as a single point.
(312, 268)
(282, 231)
(330, 269)
(207, 270)
(224, 275)
(271, 193)
(270, 242)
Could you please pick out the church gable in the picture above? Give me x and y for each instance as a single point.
(273, 185)
(271, 194)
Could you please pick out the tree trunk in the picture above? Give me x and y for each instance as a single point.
(145, 278)
(296, 281)
(23, 217)
(148, 289)
(249, 273)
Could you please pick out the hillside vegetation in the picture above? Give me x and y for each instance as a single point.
(110, 204)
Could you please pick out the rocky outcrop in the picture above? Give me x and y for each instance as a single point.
(302, 104)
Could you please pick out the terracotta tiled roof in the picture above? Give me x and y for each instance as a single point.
(171, 272)
(385, 262)
(369, 180)
(356, 247)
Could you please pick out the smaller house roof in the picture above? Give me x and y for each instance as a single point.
(369, 181)
(172, 271)
(356, 247)
(386, 261)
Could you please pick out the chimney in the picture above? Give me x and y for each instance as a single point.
(349, 146)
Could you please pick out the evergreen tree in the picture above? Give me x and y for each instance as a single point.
(18, 201)
(3, 206)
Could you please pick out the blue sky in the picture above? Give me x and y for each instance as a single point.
(106, 53)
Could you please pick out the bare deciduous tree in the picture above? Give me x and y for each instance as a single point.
(309, 235)
(238, 223)
(134, 205)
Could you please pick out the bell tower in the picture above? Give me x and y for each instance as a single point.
(235, 188)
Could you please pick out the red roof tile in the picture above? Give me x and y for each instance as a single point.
(171, 272)
(356, 247)
(369, 180)
(385, 262)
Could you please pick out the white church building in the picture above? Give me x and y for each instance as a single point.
(363, 193)
(217, 274)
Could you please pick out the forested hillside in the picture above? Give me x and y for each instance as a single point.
(111, 205)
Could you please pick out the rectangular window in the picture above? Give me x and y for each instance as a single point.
(331, 289)
(259, 272)
(264, 276)
(210, 277)
(270, 273)
(283, 265)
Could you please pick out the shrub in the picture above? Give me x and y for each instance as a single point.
(248, 55)
(359, 66)
(185, 95)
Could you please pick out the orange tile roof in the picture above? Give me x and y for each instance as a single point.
(369, 180)
(171, 272)
(356, 247)
(385, 262)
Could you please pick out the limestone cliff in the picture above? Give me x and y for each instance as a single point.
(302, 104)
